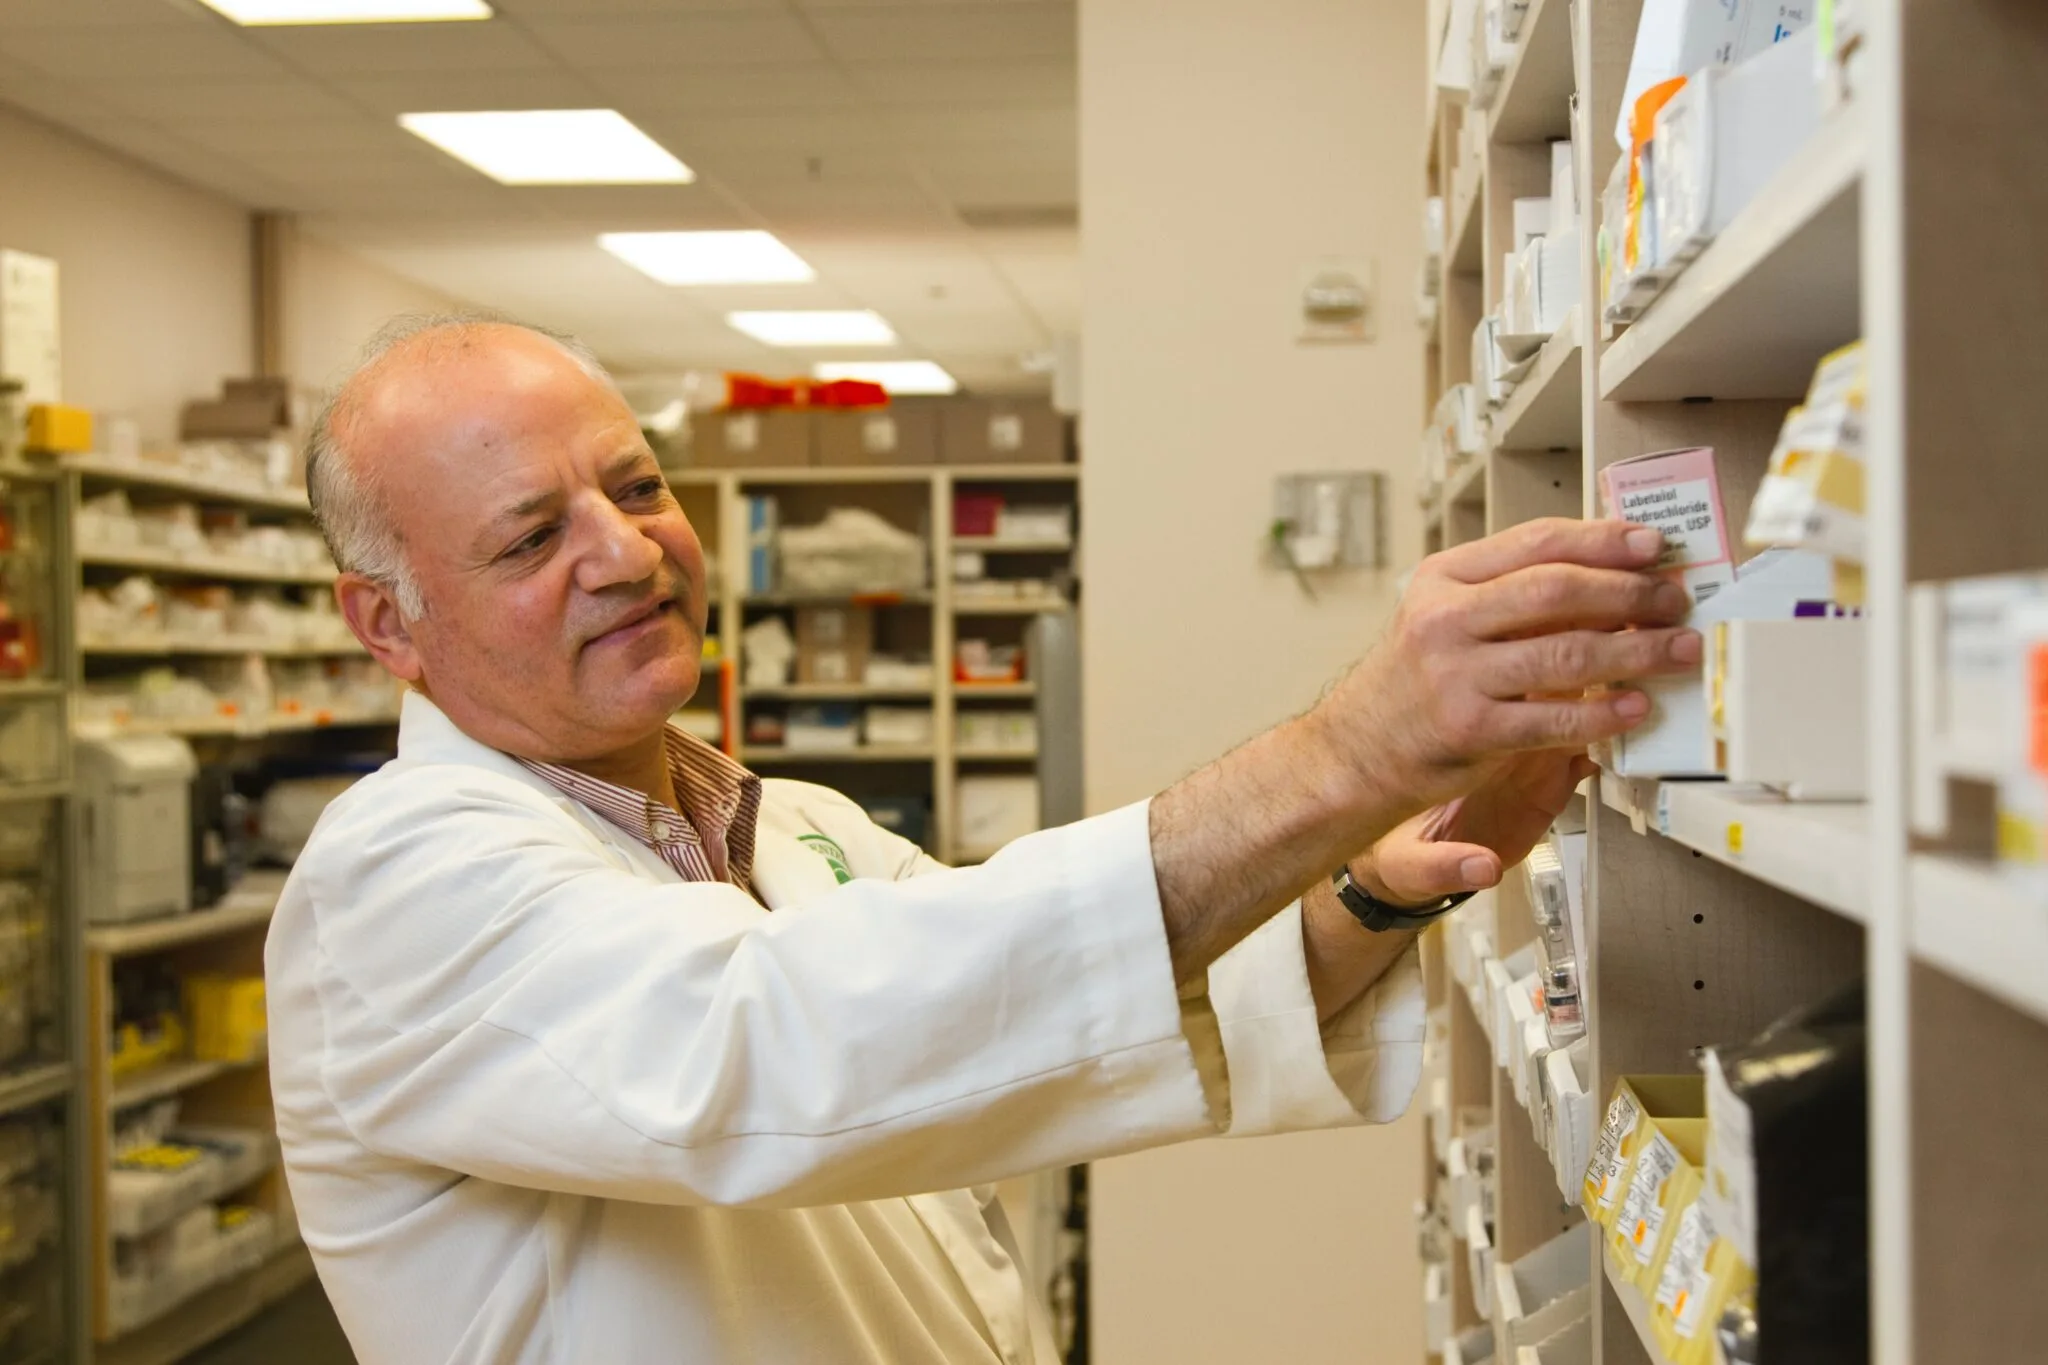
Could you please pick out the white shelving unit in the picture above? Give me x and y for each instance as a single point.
(1713, 909)
(918, 498)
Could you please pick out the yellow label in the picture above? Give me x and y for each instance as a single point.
(1735, 840)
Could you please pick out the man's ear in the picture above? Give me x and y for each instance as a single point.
(372, 614)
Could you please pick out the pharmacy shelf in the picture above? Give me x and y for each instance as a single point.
(863, 754)
(24, 792)
(1771, 295)
(795, 474)
(1637, 1307)
(1464, 255)
(167, 646)
(827, 599)
(1817, 850)
(211, 1313)
(200, 565)
(1543, 412)
(835, 692)
(168, 1079)
(249, 905)
(965, 856)
(20, 1089)
(970, 691)
(1975, 925)
(993, 545)
(1467, 485)
(197, 727)
(27, 689)
(1014, 607)
(151, 474)
(996, 755)
(1534, 101)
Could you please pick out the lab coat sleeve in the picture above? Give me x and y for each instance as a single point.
(1286, 1071)
(499, 999)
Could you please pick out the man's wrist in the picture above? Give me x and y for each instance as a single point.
(1366, 877)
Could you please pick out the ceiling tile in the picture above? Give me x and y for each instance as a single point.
(281, 100)
(608, 9)
(100, 13)
(1042, 80)
(590, 209)
(61, 102)
(727, 90)
(388, 96)
(1008, 187)
(976, 128)
(181, 160)
(1007, 31)
(320, 140)
(378, 49)
(678, 41)
(93, 53)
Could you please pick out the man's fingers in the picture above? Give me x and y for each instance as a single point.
(1597, 544)
(1416, 872)
(1577, 659)
(1555, 724)
(1572, 597)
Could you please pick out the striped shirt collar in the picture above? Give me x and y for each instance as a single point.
(713, 840)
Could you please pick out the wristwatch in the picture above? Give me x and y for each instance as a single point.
(1378, 916)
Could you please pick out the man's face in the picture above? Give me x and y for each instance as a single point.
(564, 587)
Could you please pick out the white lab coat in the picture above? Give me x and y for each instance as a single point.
(541, 1101)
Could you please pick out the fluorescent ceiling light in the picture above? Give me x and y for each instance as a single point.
(709, 257)
(551, 146)
(851, 328)
(265, 12)
(897, 376)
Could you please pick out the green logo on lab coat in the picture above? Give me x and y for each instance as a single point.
(831, 853)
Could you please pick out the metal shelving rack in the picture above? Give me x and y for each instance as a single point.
(1910, 220)
(715, 501)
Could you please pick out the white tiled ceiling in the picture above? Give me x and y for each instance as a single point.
(868, 135)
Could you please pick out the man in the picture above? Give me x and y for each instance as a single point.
(589, 1046)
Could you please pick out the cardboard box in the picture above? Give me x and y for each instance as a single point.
(1638, 1103)
(1002, 431)
(901, 434)
(832, 644)
(228, 419)
(55, 427)
(1665, 1177)
(764, 438)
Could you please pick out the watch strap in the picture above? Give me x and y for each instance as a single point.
(1379, 917)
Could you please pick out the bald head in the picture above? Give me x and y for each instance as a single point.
(396, 389)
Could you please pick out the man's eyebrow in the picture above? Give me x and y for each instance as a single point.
(626, 461)
(519, 511)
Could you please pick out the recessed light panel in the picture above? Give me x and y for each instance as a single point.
(263, 13)
(897, 376)
(826, 328)
(709, 257)
(551, 146)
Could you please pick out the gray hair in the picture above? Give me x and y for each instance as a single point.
(347, 507)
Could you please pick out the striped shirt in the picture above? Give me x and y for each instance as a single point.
(712, 841)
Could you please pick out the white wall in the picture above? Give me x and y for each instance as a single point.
(1226, 144)
(155, 279)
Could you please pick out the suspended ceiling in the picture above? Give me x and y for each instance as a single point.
(921, 156)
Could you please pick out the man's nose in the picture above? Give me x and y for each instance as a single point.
(619, 551)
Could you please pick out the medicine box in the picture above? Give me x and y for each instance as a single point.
(1002, 431)
(1680, 37)
(1723, 137)
(1665, 1177)
(1787, 702)
(59, 429)
(1637, 1104)
(900, 434)
(832, 644)
(751, 438)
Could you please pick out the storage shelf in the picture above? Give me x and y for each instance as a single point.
(1463, 258)
(151, 475)
(211, 1313)
(26, 689)
(168, 1079)
(1818, 851)
(32, 791)
(994, 545)
(1534, 103)
(1637, 1307)
(1467, 487)
(20, 1089)
(864, 754)
(965, 691)
(827, 599)
(1543, 412)
(904, 473)
(200, 565)
(1773, 294)
(835, 692)
(1034, 607)
(249, 905)
(996, 755)
(172, 645)
(228, 726)
(1971, 923)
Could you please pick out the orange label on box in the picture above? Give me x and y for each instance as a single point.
(2037, 698)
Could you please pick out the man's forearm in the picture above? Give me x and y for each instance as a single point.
(1238, 840)
(1344, 957)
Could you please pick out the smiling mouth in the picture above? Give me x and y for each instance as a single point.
(666, 606)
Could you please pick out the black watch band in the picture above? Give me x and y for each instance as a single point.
(1376, 915)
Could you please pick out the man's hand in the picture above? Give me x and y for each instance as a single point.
(1493, 649)
(1490, 654)
(1469, 844)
